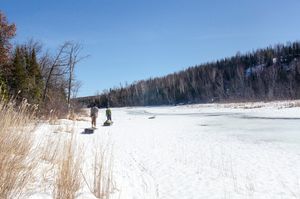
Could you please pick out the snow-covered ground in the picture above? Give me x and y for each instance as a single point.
(201, 151)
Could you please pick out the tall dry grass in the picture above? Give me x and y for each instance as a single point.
(102, 183)
(62, 151)
(20, 160)
(68, 179)
(17, 123)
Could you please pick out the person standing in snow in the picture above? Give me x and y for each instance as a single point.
(108, 113)
(94, 115)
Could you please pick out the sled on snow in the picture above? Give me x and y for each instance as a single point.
(108, 123)
(89, 130)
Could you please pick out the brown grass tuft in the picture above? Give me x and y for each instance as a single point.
(103, 182)
(16, 143)
(68, 179)
(103, 179)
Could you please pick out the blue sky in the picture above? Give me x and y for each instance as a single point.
(130, 40)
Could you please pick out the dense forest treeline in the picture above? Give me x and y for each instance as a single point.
(266, 74)
(30, 73)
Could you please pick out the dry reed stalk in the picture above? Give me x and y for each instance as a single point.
(16, 144)
(52, 147)
(68, 180)
(100, 181)
(103, 184)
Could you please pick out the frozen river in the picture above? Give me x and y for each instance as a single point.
(207, 152)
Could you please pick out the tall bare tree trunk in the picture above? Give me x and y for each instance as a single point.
(74, 51)
(59, 61)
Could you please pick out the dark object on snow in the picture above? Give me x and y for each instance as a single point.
(153, 117)
(89, 131)
(108, 123)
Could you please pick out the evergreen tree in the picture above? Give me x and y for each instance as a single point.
(35, 79)
(19, 77)
(3, 89)
(26, 75)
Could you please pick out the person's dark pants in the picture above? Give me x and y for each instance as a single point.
(109, 117)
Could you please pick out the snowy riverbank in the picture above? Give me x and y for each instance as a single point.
(201, 151)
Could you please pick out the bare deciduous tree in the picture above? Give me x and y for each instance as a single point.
(55, 65)
(74, 50)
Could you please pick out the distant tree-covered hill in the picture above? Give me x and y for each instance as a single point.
(266, 74)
